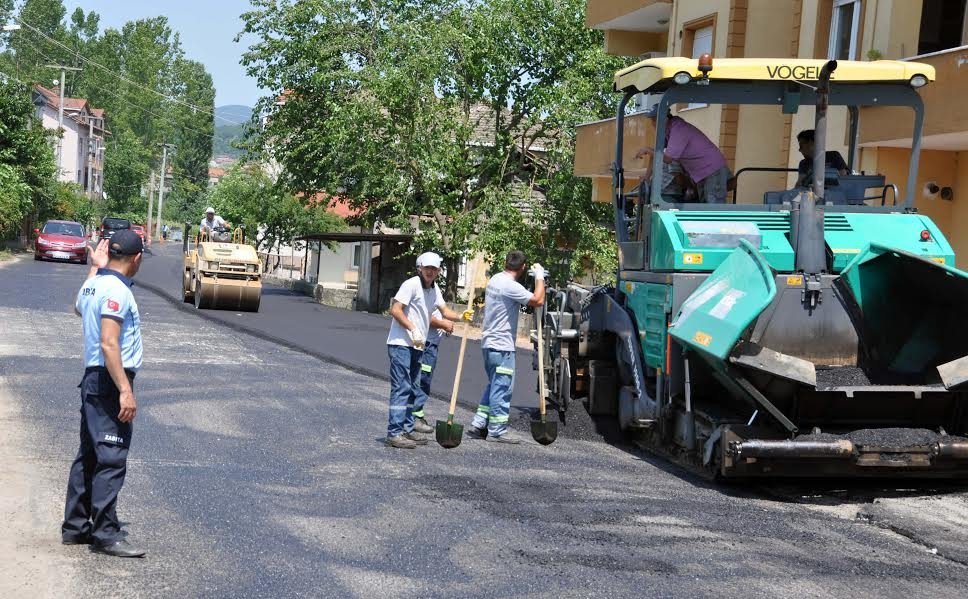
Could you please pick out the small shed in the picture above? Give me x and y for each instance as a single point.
(378, 267)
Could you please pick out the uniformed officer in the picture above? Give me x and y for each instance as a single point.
(112, 356)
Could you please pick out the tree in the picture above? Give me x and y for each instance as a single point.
(26, 159)
(126, 169)
(272, 216)
(433, 108)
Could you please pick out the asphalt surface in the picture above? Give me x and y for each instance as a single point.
(258, 471)
(356, 340)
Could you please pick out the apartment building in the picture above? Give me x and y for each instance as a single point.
(80, 151)
(930, 31)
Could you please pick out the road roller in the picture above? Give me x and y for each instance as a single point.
(221, 271)
(818, 331)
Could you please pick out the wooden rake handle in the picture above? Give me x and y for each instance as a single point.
(463, 346)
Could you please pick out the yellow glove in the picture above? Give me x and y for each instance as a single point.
(467, 316)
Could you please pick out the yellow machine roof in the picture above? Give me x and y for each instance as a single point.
(651, 73)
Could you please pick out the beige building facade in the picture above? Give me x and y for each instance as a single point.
(930, 31)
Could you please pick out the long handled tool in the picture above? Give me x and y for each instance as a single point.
(544, 431)
(449, 433)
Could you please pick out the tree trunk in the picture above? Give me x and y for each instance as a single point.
(450, 282)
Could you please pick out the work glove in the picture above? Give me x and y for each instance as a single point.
(417, 338)
(537, 271)
(467, 315)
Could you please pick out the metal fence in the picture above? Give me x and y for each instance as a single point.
(283, 266)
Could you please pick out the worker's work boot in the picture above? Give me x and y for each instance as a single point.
(420, 425)
(401, 442)
(416, 438)
(505, 438)
(472, 432)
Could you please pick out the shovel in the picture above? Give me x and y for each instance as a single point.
(449, 433)
(544, 432)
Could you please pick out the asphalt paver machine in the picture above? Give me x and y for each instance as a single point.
(819, 332)
(220, 271)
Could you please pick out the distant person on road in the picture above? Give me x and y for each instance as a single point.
(502, 301)
(439, 326)
(411, 310)
(164, 232)
(700, 158)
(832, 159)
(112, 356)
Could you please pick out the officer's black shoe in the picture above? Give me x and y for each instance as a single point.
(119, 549)
(78, 539)
(472, 432)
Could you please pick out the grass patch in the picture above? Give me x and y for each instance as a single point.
(5, 254)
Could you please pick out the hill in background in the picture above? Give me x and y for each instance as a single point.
(230, 124)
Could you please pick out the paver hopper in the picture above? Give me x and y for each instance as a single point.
(221, 271)
(805, 336)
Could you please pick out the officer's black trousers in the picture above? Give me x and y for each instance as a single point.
(100, 466)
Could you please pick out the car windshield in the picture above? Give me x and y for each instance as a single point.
(116, 223)
(64, 229)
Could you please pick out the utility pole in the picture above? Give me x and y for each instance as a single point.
(60, 115)
(161, 190)
(151, 201)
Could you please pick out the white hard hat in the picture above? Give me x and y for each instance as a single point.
(429, 259)
(210, 210)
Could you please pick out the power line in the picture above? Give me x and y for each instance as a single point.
(120, 77)
(129, 102)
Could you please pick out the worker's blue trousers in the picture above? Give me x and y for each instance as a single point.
(404, 386)
(492, 413)
(427, 364)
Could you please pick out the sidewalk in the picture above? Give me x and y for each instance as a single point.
(354, 340)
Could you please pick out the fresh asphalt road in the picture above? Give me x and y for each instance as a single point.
(356, 340)
(258, 471)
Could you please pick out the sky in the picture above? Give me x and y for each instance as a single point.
(207, 29)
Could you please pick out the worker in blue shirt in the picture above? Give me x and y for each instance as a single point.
(112, 357)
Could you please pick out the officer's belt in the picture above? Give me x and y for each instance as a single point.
(131, 373)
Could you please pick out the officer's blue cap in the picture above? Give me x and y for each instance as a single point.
(125, 243)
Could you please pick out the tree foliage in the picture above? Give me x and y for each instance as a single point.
(139, 75)
(453, 111)
(26, 160)
(272, 216)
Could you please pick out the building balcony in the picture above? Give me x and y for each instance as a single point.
(595, 152)
(632, 27)
(945, 110)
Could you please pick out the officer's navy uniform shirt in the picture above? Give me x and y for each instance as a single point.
(108, 295)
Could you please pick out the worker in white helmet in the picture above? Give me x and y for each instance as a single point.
(211, 221)
(411, 311)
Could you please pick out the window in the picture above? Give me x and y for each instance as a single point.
(942, 25)
(357, 249)
(698, 38)
(844, 30)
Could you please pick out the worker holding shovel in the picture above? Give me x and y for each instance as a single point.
(502, 300)
(411, 310)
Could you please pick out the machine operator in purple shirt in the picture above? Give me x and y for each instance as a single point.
(699, 156)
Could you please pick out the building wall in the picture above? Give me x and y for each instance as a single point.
(334, 267)
(947, 169)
